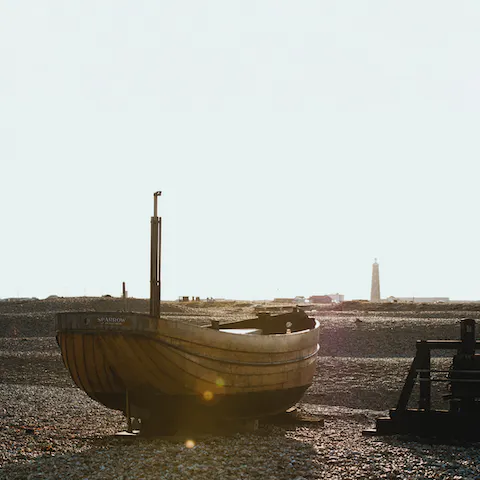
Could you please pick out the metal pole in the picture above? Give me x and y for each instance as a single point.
(155, 260)
(124, 296)
(410, 380)
(467, 332)
(153, 266)
(159, 264)
(128, 413)
(424, 402)
(155, 195)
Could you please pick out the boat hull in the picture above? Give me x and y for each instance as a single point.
(180, 369)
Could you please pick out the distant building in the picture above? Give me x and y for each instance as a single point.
(320, 299)
(375, 292)
(284, 300)
(418, 299)
(337, 297)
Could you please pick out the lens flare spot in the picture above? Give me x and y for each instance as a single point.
(207, 395)
(189, 443)
(220, 382)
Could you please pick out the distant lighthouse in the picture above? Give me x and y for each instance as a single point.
(375, 293)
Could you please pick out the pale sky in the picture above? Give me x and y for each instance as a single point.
(294, 142)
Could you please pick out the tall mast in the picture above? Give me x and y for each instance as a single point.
(155, 259)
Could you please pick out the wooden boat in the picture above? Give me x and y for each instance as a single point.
(157, 368)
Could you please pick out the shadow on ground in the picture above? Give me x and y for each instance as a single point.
(277, 456)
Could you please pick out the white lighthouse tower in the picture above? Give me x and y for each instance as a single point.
(375, 292)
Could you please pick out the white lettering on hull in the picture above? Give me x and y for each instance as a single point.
(111, 320)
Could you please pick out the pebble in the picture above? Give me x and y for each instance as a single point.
(49, 429)
(74, 439)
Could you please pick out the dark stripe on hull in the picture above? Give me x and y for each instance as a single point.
(244, 405)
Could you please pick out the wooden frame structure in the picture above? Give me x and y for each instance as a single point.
(462, 419)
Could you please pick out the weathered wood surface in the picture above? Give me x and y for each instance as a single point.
(110, 353)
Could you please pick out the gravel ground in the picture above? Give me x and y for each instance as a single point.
(50, 429)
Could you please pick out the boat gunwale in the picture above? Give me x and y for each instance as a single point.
(247, 342)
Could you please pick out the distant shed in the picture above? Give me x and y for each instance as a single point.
(320, 299)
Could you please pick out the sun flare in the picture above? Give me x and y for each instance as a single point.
(207, 395)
